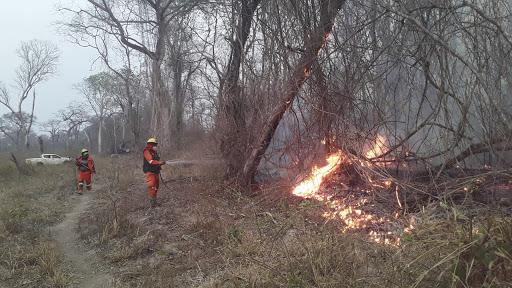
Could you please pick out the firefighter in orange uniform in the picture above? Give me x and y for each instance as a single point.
(86, 168)
(151, 167)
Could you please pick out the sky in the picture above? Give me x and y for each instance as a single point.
(36, 19)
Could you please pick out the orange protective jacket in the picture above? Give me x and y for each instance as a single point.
(85, 165)
(152, 161)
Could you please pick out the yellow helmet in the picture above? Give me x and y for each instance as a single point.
(152, 140)
(84, 151)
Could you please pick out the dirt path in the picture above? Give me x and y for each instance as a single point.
(83, 262)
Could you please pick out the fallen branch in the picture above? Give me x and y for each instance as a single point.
(17, 164)
(477, 148)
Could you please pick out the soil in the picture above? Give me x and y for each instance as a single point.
(82, 262)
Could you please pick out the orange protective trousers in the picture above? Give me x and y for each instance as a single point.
(84, 177)
(153, 182)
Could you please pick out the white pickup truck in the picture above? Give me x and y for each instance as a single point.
(48, 159)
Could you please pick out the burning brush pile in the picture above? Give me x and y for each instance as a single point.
(362, 197)
(371, 205)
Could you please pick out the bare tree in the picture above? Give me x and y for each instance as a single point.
(11, 127)
(111, 51)
(147, 15)
(232, 114)
(434, 79)
(53, 127)
(39, 61)
(73, 117)
(97, 91)
(184, 59)
(316, 40)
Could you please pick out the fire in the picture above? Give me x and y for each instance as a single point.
(378, 148)
(351, 215)
(309, 187)
(354, 219)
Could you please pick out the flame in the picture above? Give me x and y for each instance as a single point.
(350, 215)
(309, 187)
(354, 219)
(378, 148)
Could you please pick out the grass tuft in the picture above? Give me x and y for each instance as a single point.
(30, 203)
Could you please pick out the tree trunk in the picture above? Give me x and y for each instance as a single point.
(88, 138)
(179, 98)
(161, 107)
(29, 127)
(317, 40)
(100, 128)
(17, 164)
(132, 115)
(132, 120)
(115, 134)
(323, 115)
(123, 131)
(136, 127)
(27, 140)
(41, 144)
(68, 134)
(232, 119)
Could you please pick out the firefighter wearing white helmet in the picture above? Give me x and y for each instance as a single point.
(151, 167)
(86, 169)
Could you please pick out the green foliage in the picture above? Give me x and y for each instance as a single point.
(294, 280)
(487, 262)
(235, 234)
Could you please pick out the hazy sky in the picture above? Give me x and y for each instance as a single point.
(35, 19)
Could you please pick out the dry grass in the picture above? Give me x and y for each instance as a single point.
(29, 205)
(107, 225)
(440, 252)
(207, 234)
(436, 254)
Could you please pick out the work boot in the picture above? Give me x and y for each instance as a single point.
(80, 188)
(153, 202)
